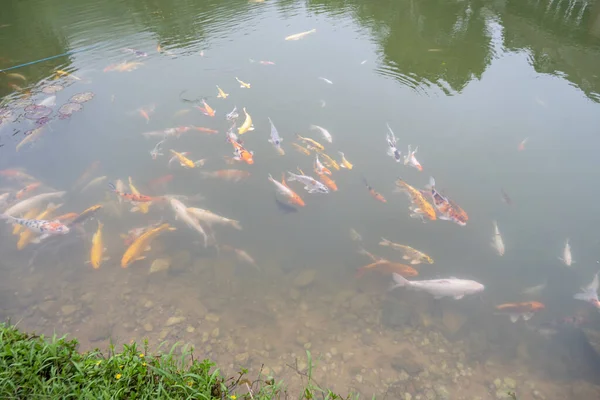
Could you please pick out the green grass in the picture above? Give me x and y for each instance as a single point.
(35, 367)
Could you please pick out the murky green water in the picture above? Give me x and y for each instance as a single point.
(466, 81)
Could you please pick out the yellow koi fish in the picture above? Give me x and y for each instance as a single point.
(27, 236)
(311, 142)
(184, 161)
(222, 94)
(330, 162)
(345, 163)
(142, 207)
(97, 252)
(242, 83)
(247, 125)
(141, 244)
(31, 137)
(301, 149)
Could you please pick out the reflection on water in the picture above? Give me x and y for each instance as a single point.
(501, 104)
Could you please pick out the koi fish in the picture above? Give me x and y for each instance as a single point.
(324, 132)
(30, 214)
(415, 256)
(93, 182)
(15, 75)
(206, 110)
(319, 168)
(439, 288)
(141, 207)
(135, 233)
(60, 72)
(330, 162)
(411, 160)
(310, 184)
(141, 244)
(133, 197)
(30, 137)
(420, 206)
(393, 147)
(450, 211)
(522, 144)
(26, 190)
(377, 196)
(242, 84)
(98, 249)
(266, 62)
(247, 125)
(234, 175)
(275, 139)
(387, 267)
(241, 255)
(155, 152)
(182, 213)
(567, 258)
(301, 149)
(146, 111)
(240, 153)
(67, 217)
(28, 236)
(43, 227)
(355, 236)
(48, 102)
(222, 94)
(284, 190)
(233, 115)
(210, 218)
(32, 202)
(327, 181)
(589, 293)
(535, 290)
(206, 130)
(311, 142)
(86, 214)
(298, 36)
(87, 174)
(345, 163)
(326, 80)
(497, 242)
(184, 161)
(160, 182)
(16, 174)
(524, 310)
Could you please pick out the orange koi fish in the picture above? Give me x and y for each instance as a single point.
(387, 267)
(327, 181)
(524, 310)
(377, 196)
(137, 198)
(206, 110)
(450, 211)
(421, 207)
(206, 130)
(286, 191)
(240, 153)
(29, 188)
(234, 175)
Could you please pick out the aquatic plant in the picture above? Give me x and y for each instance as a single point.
(34, 366)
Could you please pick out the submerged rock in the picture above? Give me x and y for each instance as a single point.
(406, 362)
(174, 321)
(395, 313)
(160, 264)
(68, 309)
(453, 321)
(305, 278)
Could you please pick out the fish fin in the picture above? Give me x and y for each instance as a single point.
(400, 280)
(140, 258)
(527, 316)
(415, 262)
(384, 242)
(459, 296)
(236, 225)
(514, 317)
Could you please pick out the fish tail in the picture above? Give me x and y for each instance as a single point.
(236, 225)
(7, 217)
(384, 242)
(400, 281)
(292, 177)
(431, 183)
(112, 187)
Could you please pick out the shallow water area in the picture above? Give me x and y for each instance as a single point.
(500, 97)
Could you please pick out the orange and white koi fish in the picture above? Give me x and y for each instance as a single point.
(524, 310)
(146, 111)
(345, 163)
(43, 227)
(142, 207)
(319, 168)
(450, 211)
(133, 197)
(242, 83)
(284, 189)
(240, 153)
(377, 196)
(141, 244)
(234, 175)
(206, 130)
(311, 142)
(206, 110)
(384, 266)
(298, 36)
(26, 191)
(411, 160)
(247, 125)
(184, 161)
(32, 213)
(420, 206)
(28, 236)
(222, 94)
(522, 144)
(16, 174)
(393, 146)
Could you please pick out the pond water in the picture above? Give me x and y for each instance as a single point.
(501, 98)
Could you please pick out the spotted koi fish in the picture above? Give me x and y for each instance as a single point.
(40, 226)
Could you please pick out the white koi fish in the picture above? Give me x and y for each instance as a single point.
(567, 258)
(411, 160)
(326, 80)
(320, 169)
(298, 36)
(324, 132)
(393, 148)
(589, 293)
(48, 102)
(311, 184)
(182, 213)
(233, 115)
(31, 202)
(451, 287)
(497, 242)
(275, 139)
(156, 151)
(535, 290)
(210, 218)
